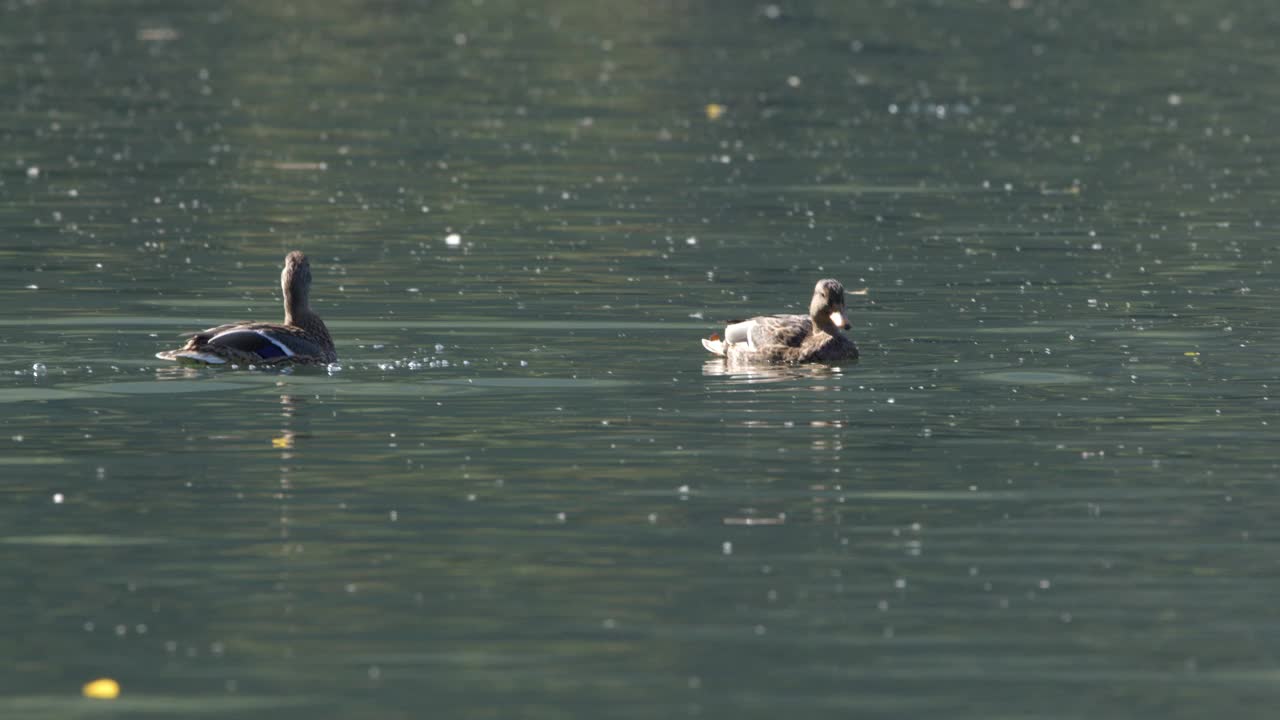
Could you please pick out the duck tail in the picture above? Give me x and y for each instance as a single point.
(714, 345)
(192, 355)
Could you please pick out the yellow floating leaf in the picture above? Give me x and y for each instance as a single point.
(102, 689)
(1191, 354)
(715, 110)
(284, 441)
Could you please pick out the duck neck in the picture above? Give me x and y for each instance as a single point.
(296, 306)
(822, 321)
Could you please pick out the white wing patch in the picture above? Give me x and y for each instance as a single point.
(740, 333)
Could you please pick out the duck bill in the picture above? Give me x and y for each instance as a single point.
(838, 319)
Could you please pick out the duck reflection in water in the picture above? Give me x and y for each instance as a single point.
(744, 372)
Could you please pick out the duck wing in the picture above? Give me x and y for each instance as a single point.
(785, 330)
(267, 341)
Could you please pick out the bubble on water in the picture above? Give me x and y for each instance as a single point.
(58, 498)
(33, 172)
(333, 368)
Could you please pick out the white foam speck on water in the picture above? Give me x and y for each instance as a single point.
(726, 547)
(58, 498)
(33, 172)
(39, 369)
(333, 368)
(453, 240)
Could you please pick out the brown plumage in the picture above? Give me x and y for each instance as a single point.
(302, 338)
(812, 338)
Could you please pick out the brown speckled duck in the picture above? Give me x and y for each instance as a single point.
(814, 338)
(302, 338)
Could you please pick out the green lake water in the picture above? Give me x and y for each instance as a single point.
(1049, 489)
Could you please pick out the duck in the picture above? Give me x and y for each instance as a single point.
(302, 338)
(812, 338)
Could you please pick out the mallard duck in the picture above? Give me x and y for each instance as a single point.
(812, 338)
(302, 338)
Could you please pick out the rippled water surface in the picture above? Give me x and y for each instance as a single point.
(1047, 490)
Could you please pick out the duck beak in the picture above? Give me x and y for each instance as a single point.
(838, 319)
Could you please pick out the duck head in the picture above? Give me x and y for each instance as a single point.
(827, 308)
